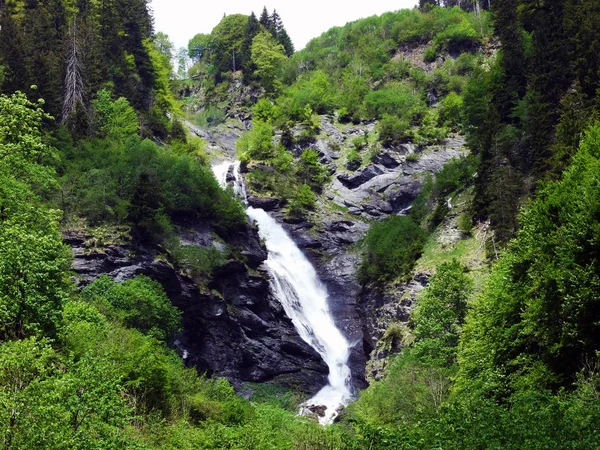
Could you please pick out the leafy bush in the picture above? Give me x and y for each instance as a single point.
(209, 116)
(353, 159)
(139, 303)
(457, 37)
(430, 54)
(257, 143)
(104, 177)
(116, 119)
(535, 324)
(393, 131)
(199, 262)
(310, 171)
(302, 201)
(393, 99)
(391, 248)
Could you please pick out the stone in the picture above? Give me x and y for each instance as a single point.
(266, 203)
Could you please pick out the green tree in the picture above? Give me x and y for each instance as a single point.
(268, 56)
(439, 315)
(227, 52)
(534, 324)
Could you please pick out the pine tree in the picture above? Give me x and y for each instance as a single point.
(265, 19)
(276, 24)
(12, 53)
(285, 40)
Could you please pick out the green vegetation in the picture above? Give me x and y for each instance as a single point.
(508, 363)
(392, 247)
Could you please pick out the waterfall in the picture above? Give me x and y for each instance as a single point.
(294, 282)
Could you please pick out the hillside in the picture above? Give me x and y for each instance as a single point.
(437, 168)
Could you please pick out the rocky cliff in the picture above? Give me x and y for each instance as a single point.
(330, 236)
(233, 327)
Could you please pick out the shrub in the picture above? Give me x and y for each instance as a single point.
(257, 143)
(199, 262)
(393, 131)
(139, 303)
(310, 171)
(430, 54)
(353, 159)
(391, 248)
(394, 98)
(302, 201)
(450, 110)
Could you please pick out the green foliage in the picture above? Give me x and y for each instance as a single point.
(310, 171)
(139, 181)
(392, 99)
(301, 201)
(198, 262)
(431, 203)
(439, 315)
(139, 303)
(268, 56)
(353, 159)
(534, 325)
(33, 260)
(430, 54)
(23, 153)
(391, 248)
(257, 144)
(393, 131)
(33, 274)
(450, 110)
(116, 120)
(227, 40)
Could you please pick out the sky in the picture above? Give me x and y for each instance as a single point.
(303, 19)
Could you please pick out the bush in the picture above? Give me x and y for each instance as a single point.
(199, 262)
(302, 201)
(393, 131)
(138, 303)
(450, 111)
(109, 181)
(394, 98)
(257, 143)
(310, 171)
(430, 54)
(391, 248)
(353, 159)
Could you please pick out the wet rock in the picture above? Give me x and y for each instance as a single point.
(266, 203)
(234, 328)
(319, 410)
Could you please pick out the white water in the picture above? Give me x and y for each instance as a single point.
(295, 284)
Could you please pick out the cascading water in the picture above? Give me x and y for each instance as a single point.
(295, 284)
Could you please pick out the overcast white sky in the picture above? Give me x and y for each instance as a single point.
(303, 19)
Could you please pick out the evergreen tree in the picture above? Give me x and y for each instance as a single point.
(276, 24)
(265, 19)
(12, 53)
(286, 41)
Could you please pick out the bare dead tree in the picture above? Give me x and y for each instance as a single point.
(74, 87)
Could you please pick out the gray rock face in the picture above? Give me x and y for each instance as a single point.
(266, 203)
(234, 329)
(390, 183)
(386, 186)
